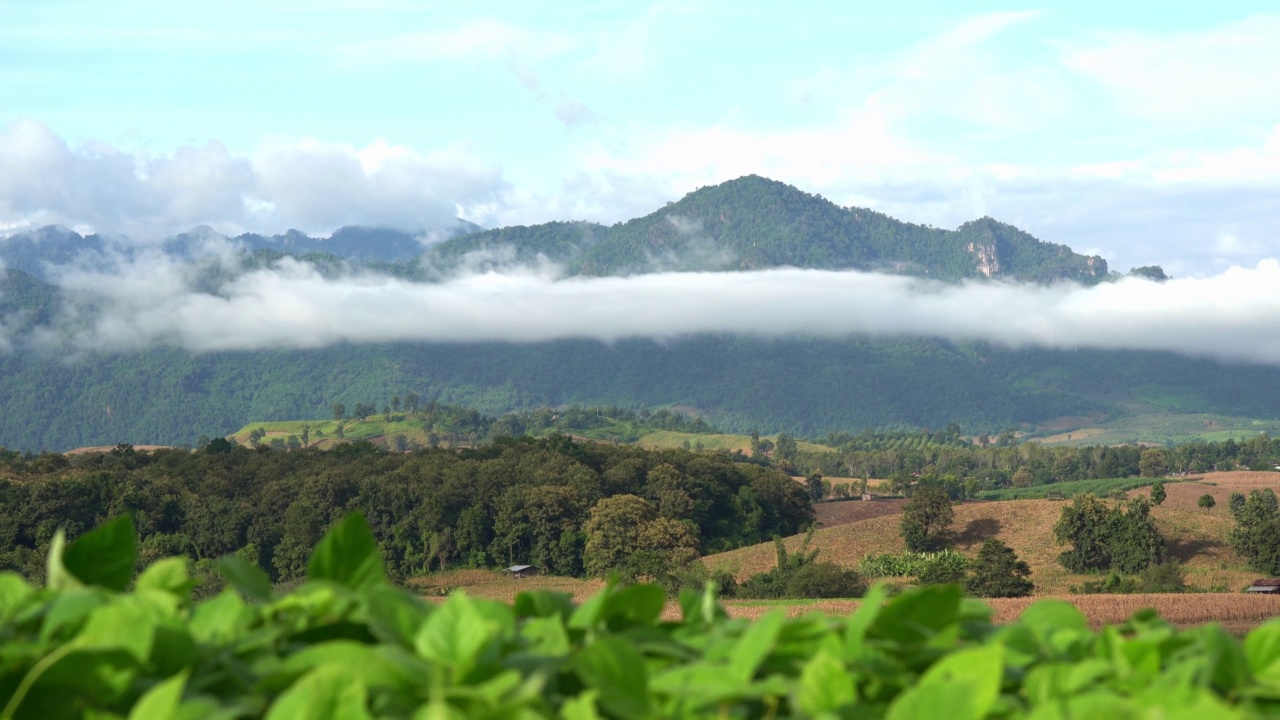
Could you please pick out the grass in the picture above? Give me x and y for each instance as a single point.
(1070, 489)
(1156, 425)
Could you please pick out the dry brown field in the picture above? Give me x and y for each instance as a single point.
(844, 512)
(854, 529)
(1196, 537)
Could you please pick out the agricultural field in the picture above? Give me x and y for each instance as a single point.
(668, 439)
(1159, 426)
(1071, 489)
(1196, 537)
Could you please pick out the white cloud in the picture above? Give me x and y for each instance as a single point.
(307, 184)
(1228, 316)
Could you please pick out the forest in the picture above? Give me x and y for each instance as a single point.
(564, 506)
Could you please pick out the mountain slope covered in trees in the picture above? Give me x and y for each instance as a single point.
(799, 385)
(755, 223)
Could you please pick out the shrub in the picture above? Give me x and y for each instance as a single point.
(997, 572)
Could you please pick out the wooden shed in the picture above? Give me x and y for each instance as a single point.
(1270, 586)
(522, 571)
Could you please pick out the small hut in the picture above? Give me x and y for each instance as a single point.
(522, 571)
(1269, 586)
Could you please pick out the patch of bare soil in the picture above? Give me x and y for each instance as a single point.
(830, 514)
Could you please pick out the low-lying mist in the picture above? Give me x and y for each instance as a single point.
(152, 299)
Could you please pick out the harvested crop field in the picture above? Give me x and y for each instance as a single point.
(1196, 538)
(830, 514)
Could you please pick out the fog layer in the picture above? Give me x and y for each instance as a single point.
(153, 300)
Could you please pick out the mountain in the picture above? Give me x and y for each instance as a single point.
(806, 386)
(33, 251)
(755, 223)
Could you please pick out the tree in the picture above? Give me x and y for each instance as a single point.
(625, 535)
(1206, 501)
(926, 519)
(997, 572)
(339, 411)
(1257, 527)
(1022, 478)
(1102, 537)
(814, 485)
(785, 447)
(1157, 493)
(1236, 504)
(1153, 462)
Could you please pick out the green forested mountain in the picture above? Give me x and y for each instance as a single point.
(800, 386)
(797, 385)
(754, 223)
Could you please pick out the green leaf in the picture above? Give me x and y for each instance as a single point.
(454, 633)
(168, 575)
(825, 685)
(963, 685)
(1262, 646)
(754, 646)
(246, 577)
(220, 619)
(394, 614)
(855, 627)
(636, 604)
(56, 575)
(1051, 615)
(328, 693)
(161, 701)
(547, 636)
(348, 555)
(581, 707)
(919, 614)
(614, 667)
(104, 556)
(121, 626)
(14, 592)
(543, 603)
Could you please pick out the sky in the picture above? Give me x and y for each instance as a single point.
(1147, 133)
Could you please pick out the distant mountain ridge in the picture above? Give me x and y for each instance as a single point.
(750, 223)
(32, 250)
(754, 223)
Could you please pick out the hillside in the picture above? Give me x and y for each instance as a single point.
(1195, 537)
(58, 400)
(754, 223)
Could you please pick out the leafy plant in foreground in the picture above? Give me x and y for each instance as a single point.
(346, 644)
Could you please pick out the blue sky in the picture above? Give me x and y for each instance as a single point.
(1148, 133)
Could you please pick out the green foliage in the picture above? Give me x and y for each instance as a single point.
(800, 575)
(1120, 537)
(1257, 527)
(1100, 487)
(1162, 577)
(926, 519)
(997, 572)
(333, 649)
(1158, 493)
(944, 563)
(1206, 501)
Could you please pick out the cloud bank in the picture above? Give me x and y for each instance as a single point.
(312, 186)
(290, 304)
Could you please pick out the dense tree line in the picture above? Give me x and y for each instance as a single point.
(554, 503)
(964, 469)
